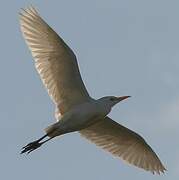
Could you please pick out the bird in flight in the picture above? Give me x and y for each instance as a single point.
(75, 109)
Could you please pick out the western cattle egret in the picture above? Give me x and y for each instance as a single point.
(75, 109)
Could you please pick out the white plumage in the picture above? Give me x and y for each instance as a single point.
(54, 61)
(75, 109)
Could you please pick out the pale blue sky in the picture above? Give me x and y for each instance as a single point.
(124, 47)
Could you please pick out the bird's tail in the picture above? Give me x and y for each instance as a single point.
(51, 130)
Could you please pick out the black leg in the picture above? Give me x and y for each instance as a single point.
(34, 145)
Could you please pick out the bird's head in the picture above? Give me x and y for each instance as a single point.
(110, 101)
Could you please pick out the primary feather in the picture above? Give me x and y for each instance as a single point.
(54, 61)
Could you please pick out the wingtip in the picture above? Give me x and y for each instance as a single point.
(159, 171)
(27, 10)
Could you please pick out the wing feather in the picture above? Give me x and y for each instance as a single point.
(123, 143)
(54, 61)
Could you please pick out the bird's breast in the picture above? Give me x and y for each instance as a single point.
(80, 117)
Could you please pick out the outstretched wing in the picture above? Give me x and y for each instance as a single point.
(123, 143)
(54, 61)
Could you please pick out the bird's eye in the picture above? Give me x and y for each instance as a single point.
(112, 99)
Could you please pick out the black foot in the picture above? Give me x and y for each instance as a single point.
(31, 147)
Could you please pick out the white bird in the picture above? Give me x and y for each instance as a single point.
(75, 109)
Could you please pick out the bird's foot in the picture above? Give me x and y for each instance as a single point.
(31, 147)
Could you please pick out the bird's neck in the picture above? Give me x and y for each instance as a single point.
(104, 108)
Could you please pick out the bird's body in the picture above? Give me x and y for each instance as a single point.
(81, 116)
(75, 109)
(78, 118)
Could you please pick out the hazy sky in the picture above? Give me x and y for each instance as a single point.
(124, 47)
